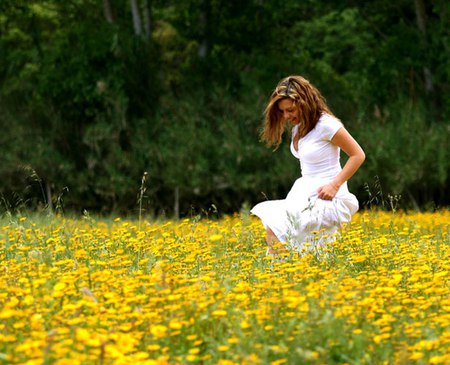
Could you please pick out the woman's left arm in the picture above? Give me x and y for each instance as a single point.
(348, 144)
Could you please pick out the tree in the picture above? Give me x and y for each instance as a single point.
(95, 93)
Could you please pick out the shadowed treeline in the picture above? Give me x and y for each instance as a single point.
(93, 95)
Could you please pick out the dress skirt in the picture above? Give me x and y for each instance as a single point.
(302, 220)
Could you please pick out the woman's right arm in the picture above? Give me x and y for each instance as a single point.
(344, 140)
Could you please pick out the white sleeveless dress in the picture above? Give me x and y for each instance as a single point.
(302, 220)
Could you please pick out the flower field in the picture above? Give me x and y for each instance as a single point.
(202, 291)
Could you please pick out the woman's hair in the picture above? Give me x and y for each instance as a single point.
(308, 101)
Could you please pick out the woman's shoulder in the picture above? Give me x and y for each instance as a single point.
(328, 125)
(327, 119)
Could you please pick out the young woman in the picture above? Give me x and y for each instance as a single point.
(319, 201)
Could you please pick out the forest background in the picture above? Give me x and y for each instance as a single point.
(116, 106)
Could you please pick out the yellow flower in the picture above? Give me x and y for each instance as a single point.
(416, 355)
(158, 331)
(191, 358)
(82, 335)
(175, 325)
(279, 362)
(439, 360)
(219, 313)
(8, 313)
(159, 288)
(153, 347)
(215, 237)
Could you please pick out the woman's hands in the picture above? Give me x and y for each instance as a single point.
(327, 192)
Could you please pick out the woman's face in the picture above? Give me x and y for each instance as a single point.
(289, 110)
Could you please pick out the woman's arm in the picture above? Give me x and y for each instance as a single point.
(348, 144)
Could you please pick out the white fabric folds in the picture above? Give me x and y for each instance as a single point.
(302, 220)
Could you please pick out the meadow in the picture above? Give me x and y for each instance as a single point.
(202, 291)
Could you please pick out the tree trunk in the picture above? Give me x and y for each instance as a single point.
(204, 24)
(147, 19)
(176, 203)
(136, 17)
(421, 18)
(107, 10)
(48, 193)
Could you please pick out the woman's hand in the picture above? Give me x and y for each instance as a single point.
(327, 192)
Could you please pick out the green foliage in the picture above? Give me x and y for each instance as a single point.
(88, 104)
(408, 154)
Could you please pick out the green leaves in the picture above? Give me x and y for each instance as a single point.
(89, 104)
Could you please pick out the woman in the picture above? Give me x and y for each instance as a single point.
(319, 202)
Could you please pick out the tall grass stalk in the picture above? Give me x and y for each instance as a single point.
(142, 190)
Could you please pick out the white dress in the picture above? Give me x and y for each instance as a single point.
(302, 220)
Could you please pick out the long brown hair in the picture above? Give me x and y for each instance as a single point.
(307, 99)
